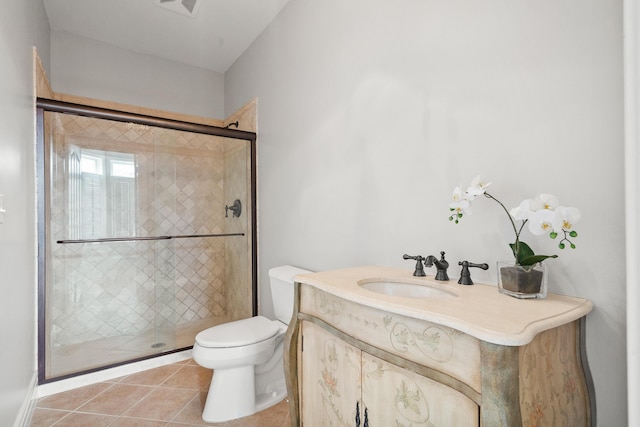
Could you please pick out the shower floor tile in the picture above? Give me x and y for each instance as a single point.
(167, 396)
(107, 351)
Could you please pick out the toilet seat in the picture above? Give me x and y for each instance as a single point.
(238, 333)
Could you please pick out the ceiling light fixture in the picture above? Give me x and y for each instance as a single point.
(183, 7)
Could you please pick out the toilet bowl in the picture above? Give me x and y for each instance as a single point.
(246, 356)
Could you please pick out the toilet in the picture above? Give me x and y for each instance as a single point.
(246, 356)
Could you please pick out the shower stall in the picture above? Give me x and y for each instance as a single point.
(146, 235)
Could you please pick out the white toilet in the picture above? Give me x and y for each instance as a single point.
(246, 356)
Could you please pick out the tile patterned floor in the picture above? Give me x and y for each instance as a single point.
(168, 396)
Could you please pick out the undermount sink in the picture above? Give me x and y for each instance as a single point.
(404, 289)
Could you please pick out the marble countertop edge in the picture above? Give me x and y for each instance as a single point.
(478, 310)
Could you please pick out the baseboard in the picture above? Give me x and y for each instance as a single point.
(26, 410)
(107, 374)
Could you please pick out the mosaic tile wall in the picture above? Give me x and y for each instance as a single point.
(183, 181)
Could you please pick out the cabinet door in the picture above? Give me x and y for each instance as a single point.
(330, 379)
(394, 396)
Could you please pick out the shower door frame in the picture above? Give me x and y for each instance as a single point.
(42, 105)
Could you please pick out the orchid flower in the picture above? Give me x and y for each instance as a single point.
(568, 217)
(544, 201)
(478, 187)
(542, 221)
(522, 211)
(543, 215)
(459, 206)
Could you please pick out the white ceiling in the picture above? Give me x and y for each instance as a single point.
(213, 38)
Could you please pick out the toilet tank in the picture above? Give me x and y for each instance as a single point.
(281, 280)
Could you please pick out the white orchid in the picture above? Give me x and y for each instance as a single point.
(457, 194)
(543, 214)
(567, 218)
(460, 205)
(544, 201)
(478, 187)
(542, 221)
(522, 211)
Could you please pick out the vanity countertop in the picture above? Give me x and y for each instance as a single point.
(478, 310)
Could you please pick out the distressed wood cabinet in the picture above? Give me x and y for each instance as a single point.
(351, 364)
(341, 384)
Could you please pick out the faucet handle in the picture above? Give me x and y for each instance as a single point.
(419, 271)
(465, 274)
(236, 208)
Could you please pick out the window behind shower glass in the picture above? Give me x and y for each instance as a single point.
(102, 194)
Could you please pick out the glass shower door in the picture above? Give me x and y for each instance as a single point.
(140, 251)
(110, 291)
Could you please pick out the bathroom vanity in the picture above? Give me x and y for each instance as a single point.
(375, 346)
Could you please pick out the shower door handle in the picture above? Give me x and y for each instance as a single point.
(135, 239)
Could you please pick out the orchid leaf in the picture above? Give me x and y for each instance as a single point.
(525, 256)
(532, 260)
(521, 251)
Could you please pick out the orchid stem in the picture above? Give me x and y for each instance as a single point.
(513, 224)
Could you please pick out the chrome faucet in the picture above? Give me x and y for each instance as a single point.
(441, 266)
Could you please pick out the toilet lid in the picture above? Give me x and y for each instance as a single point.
(238, 333)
